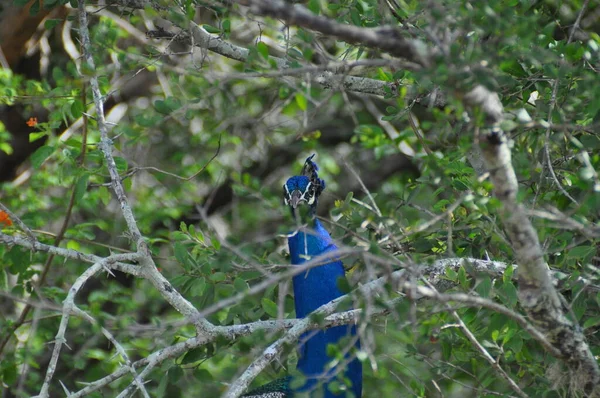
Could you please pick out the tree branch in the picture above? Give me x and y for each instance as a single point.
(386, 38)
(536, 291)
(145, 256)
(369, 289)
(234, 332)
(64, 322)
(37, 246)
(327, 79)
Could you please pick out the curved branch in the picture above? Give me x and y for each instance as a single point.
(68, 306)
(384, 38)
(536, 291)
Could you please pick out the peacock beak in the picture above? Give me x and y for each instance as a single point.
(295, 198)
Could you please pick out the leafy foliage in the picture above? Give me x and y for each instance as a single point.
(219, 234)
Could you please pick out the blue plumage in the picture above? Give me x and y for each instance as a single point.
(312, 289)
(318, 285)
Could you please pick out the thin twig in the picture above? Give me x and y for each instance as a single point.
(60, 335)
(364, 188)
(488, 357)
(13, 217)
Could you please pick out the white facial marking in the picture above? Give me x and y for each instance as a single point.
(287, 194)
(311, 199)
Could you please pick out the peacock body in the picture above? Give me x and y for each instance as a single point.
(312, 289)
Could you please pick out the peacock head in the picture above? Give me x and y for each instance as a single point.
(304, 189)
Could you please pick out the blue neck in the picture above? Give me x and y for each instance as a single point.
(312, 289)
(316, 286)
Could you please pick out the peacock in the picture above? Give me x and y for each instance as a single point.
(313, 288)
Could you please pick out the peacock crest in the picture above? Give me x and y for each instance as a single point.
(305, 188)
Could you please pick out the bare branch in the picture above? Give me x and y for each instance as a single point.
(327, 79)
(271, 352)
(137, 380)
(105, 142)
(67, 309)
(387, 38)
(145, 256)
(488, 357)
(73, 254)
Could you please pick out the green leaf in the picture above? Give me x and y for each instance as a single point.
(284, 92)
(515, 344)
(215, 242)
(218, 277)
(9, 375)
(121, 164)
(3, 280)
(35, 8)
(51, 23)
(81, 186)
(459, 185)
(40, 155)
(513, 67)
(6, 148)
(314, 6)
(462, 278)
(211, 29)
(175, 374)
(510, 292)
(384, 75)
(269, 306)
(495, 335)
(194, 355)
(36, 135)
(508, 273)
(181, 254)
(580, 251)
(240, 285)
(198, 286)
(446, 349)
(183, 227)
(168, 105)
(344, 285)
(348, 198)
(484, 287)
(579, 306)
(77, 109)
(451, 274)
(595, 321)
(226, 25)
(203, 375)
(301, 101)
(355, 17)
(200, 236)
(262, 49)
(48, 4)
(19, 259)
